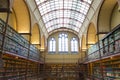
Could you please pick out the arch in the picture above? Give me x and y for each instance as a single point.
(104, 16)
(91, 37)
(12, 18)
(83, 47)
(43, 43)
(115, 18)
(83, 43)
(35, 37)
(62, 29)
(22, 16)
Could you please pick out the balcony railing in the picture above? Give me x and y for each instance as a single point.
(106, 47)
(17, 45)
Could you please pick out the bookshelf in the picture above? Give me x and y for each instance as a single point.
(105, 57)
(61, 71)
(34, 53)
(17, 45)
(109, 45)
(111, 69)
(21, 59)
(16, 68)
(83, 70)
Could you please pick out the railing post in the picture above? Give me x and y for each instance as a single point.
(101, 66)
(4, 31)
(3, 40)
(28, 57)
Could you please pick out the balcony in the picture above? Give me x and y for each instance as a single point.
(15, 44)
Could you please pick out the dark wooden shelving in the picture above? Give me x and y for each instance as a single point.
(21, 59)
(105, 57)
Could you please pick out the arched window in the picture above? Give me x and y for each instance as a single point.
(74, 44)
(52, 45)
(63, 42)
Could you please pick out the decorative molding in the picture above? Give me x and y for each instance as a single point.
(25, 33)
(102, 33)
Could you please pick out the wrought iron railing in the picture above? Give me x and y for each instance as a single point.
(16, 44)
(108, 46)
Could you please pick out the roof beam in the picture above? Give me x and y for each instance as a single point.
(63, 18)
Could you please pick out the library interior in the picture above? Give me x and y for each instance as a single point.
(59, 39)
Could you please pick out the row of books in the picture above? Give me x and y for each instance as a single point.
(109, 45)
(16, 44)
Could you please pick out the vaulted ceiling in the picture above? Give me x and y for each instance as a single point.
(63, 15)
(58, 14)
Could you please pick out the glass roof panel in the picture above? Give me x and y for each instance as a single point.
(63, 13)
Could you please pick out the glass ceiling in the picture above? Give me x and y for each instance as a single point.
(63, 13)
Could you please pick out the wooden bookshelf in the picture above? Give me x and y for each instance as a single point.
(111, 69)
(21, 59)
(106, 47)
(105, 57)
(16, 68)
(15, 44)
(83, 70)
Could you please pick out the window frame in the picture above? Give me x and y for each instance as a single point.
(75, 45)
(52, 51)
(66, 49)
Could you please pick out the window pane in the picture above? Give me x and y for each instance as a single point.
(74, 45)
(52, 45)
(63, 42)
(52, 9)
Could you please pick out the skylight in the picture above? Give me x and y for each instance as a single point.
(63, 13)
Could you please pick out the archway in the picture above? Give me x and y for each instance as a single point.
(83, 44)
(35, 37)
(12, 19)
(104, 17)
(43, 43)
(115, 17)
(91, 37)
(22, 16)
(83, 47)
